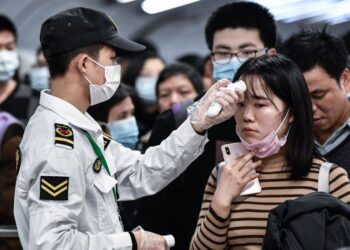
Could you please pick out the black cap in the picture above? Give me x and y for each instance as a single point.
(79, 27)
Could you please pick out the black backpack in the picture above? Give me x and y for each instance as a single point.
(314, 221)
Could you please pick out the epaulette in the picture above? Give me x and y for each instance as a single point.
(64, 136)
(106, 140)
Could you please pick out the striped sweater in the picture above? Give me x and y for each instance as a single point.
(245, 228)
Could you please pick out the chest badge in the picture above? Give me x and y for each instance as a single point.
(97, 165)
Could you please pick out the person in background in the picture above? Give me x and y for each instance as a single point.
(39, 79)
(13, 98)
(192, 59)
(116, 116)
(176, 88)
(323, 60)
(207, 72)
(141, 74)
(274, 123)
(11, 132)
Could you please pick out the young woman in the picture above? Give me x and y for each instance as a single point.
(274, 123)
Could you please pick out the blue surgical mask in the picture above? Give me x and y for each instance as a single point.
(146, 89)
(40, 78)
(227, 70)
(125, 132)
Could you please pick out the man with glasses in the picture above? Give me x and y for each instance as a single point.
(236, 32)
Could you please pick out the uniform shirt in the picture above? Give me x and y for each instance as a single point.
(61, 202)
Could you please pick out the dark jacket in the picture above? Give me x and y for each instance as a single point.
(314, 221)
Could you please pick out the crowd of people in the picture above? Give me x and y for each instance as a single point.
(105, 145)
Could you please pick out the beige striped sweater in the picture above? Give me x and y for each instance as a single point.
(245, 227)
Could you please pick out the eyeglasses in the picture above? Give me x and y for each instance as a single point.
(224, 57)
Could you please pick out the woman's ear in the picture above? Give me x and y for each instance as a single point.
(290, 118)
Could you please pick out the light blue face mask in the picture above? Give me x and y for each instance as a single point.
(125, 132)
(227, 70)
(40, 78)
(146, 89)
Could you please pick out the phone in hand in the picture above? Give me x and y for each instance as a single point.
(233, 151)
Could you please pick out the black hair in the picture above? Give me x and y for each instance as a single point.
(282, 77)
(7, 25)
(135, 66)
(181, 69)
(100, 111)
(311, 48)
(58, 64)
(194, 60)
(246, 15)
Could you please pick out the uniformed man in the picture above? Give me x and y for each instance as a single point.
(70, 173)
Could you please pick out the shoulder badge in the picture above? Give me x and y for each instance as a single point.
(54, 188)
(106, 140)
(18, 159)
(97, 165)
(64, 136)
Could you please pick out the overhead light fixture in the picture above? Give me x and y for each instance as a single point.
(156, 6)
(328, 11)
(124, 1)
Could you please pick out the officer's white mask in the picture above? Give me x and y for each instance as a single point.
(101, 93)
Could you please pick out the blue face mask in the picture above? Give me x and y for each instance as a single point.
(146, 89)
(125, 132)
(40, 78)
(227, 70)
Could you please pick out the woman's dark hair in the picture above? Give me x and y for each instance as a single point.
(282, 77)
(6, 24)
(181, 69)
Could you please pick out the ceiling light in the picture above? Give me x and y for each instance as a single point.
(156, 6)
(124, 1)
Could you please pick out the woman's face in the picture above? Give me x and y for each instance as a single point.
(152, 67)
(175, 89)
(260, 113)
(123, 110)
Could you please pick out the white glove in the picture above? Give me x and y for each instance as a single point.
(217, 93)
(152, 241)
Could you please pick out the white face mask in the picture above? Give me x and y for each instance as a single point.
(9, 62)
(146, 88)
(40, 78)
(101, 93)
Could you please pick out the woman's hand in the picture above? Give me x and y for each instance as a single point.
(234, 177)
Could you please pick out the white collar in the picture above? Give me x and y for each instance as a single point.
(68, 112)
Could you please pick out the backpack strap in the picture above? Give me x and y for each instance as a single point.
(323, 177)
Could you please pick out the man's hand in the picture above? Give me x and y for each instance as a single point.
(150, 241)
(228, 100)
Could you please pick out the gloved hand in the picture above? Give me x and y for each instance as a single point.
(227, 98)
(152, 241)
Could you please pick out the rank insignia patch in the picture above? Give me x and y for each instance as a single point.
(54, 188)
(18, 159)
(97, 165)
(64, 136)
(106, 140)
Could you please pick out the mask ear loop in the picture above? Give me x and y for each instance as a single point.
(284, 119)
(96, 62)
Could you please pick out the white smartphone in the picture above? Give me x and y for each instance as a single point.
(232, 151)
